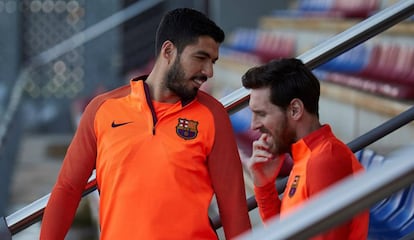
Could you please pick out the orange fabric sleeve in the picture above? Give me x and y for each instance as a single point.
(76, 169)
(268, 201)
(226, 173)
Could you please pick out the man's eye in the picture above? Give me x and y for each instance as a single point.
(260, 114)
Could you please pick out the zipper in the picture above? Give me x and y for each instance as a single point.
(151, 107)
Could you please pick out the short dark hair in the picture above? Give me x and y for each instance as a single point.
(183, 26)
(288, 78)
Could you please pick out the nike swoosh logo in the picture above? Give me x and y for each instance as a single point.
(114, 125)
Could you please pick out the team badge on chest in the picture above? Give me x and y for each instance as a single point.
(294, 186)
(187, 129)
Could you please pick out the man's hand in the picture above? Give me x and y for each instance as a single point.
(263, 165)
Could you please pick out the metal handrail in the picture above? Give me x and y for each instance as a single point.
(238, 99)
(28, 215)
(382, 130)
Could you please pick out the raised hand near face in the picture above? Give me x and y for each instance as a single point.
(264, 166)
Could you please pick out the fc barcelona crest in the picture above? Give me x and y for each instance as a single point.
(187, 129)
(294, 186)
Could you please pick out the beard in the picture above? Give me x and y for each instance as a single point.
(176, 82)
(283, 138)
(286, 141)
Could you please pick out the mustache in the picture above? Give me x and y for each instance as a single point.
(264, 130)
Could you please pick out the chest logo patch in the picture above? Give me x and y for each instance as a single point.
(186, 129)
(294, 186)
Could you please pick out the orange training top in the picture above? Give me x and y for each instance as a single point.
(157, 168)
(319, 160)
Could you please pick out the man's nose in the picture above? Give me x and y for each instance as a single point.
(255, 124)
(208, 70)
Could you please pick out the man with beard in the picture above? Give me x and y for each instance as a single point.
(284, 100)
(161, 148)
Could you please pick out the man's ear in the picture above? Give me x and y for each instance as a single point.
(296, 108)
(167, 51)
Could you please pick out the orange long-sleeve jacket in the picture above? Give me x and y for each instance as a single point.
(157, 168)
(319, 160)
